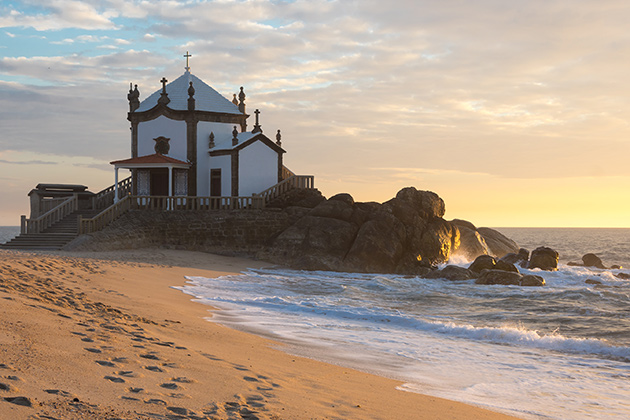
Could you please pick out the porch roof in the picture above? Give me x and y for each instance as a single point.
(155, 160)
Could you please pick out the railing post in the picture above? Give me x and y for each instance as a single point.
(22, 225)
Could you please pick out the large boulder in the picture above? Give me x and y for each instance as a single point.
(407, 234)
(378, 246)
(427, 203)
(472, 244)
(544, 258)
(532, 280)
(519, 258)
(498, 243)
(482, 262)
(313, 243)
(505, 266)
(481, 241)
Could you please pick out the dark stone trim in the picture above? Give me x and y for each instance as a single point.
(191, 149)
(134, 139)
(279, 167)
(261, 137)
(221, 152)
(182, 115)
(235, 173)
(134, 182)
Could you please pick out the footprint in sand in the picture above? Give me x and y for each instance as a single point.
(181, 411)
(59, 392)
(93, 350)
(135, 390)
(170, 385)
(154, 368)
(182, 380)
(115, 379)
(149, 356)
(155, 401)
(128, 374)
(7, 387)
(25, 401)
(105, 363)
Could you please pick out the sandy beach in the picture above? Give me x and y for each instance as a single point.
(105, 336)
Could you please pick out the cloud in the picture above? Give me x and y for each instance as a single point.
(527, 90)
(58, 14)
(30, 162)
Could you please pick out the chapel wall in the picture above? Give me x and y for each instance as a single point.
(226, 232)
(163, 127)
(258, 169)
(222, 134)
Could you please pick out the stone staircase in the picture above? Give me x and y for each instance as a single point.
(54, 237)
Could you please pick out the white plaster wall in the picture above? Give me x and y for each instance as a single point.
(258, 169)
(222, 131)
(225, 164)
(162, 126)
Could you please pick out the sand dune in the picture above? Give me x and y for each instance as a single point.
(104, 336)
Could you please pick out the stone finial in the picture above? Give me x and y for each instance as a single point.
(191, 100)
(278, 138)
(211, 140)
(234, 136)
(241, 104)
(257, 128)
(235, 101)
(132, 96)
(164, 96)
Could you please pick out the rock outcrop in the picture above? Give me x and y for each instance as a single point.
(544, 258)
(403, 235)
(482, 241)
(592, 260)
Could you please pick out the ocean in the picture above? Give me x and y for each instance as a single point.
(8, 232)
(556, 352)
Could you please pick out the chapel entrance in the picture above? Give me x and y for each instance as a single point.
(215, 182)
(159, 182)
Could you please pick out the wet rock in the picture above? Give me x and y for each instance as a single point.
(403, 235)
(472, 244)
(592, 281)
(544, 258)
(498, 243)
(592, 260)
(502, 265)
(482, 262)
(506, 278)
(616, 267)
(623, 276)
(531, 280)
(451, 272)
(520, 258)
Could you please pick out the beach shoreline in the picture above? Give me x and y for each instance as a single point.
(105, 335)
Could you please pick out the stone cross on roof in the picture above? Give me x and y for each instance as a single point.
(187, 55)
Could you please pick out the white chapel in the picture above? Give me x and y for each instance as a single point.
(189, 140)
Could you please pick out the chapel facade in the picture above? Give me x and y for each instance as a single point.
(189, 140)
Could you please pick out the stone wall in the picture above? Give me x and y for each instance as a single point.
(228, 232)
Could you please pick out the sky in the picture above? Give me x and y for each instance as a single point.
(516, 113)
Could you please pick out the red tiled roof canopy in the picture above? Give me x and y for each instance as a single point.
(153, 159)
